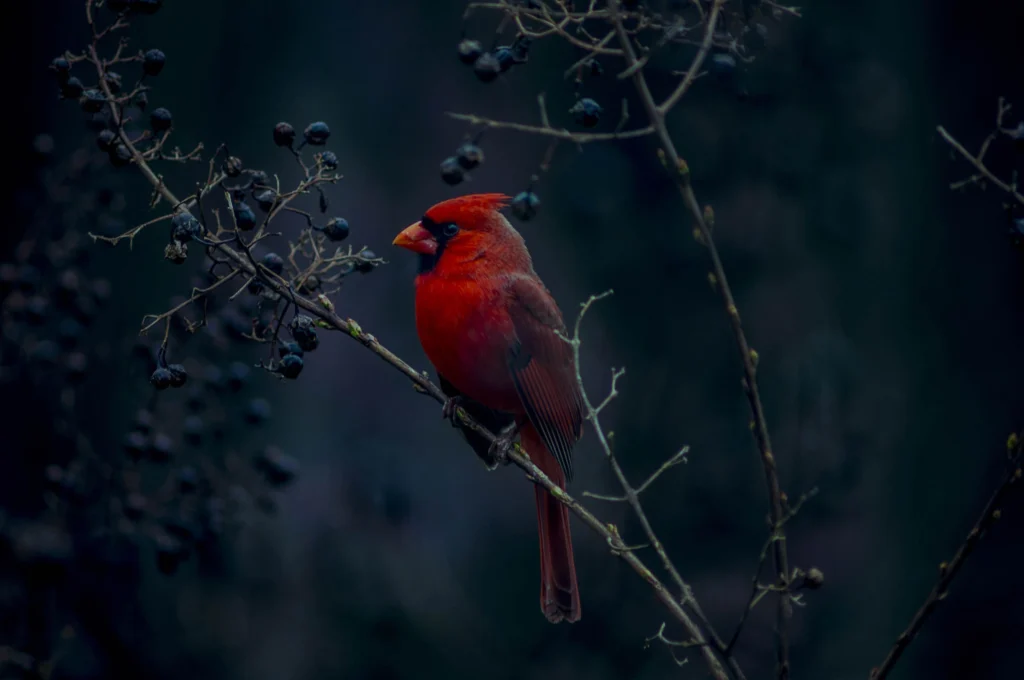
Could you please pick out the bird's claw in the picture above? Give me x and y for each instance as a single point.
(450, 409)
(502, 444)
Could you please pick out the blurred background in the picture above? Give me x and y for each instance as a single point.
(886, 310)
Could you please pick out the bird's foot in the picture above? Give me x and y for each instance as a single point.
(501, 446)
(450, 409)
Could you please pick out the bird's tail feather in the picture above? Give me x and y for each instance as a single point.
(559, 593)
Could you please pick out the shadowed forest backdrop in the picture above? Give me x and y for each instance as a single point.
(886, 310)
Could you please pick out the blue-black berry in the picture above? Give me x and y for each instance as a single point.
(487, 67)
(451, 171)
(185, 227)
(265, 199)
(286, 348)
(72, 88)
(469, 155)
(469, 51)
(525, 205)
(245, 218)
(120, 155)
(93, 101)
(153, 62)
(329, 160)
(179, 376)
(161, 120)
(316, 134)
(105, 139)
(273, 262)
(257, 411)
(587, 112)
(365, 266)
(290, 366)
(161, 378)
(61, 67)
(336, 229)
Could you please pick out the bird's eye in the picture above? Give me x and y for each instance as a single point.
(450, 229)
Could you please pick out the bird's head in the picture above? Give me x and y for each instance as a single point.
(461, 230)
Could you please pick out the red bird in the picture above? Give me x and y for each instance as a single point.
(490, 328)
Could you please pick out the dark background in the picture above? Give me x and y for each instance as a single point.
(886, 310)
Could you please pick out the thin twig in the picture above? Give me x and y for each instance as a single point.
(948, 570)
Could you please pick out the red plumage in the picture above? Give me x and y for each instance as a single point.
(490, 328)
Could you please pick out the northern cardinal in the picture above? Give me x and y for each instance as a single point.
(490, 328)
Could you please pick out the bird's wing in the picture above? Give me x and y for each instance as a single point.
(543, 369)
(493, 420)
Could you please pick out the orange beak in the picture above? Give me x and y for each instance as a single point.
(417, 239)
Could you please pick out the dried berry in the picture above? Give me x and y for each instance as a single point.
(487, 67)
(284, 134)
(273, 262)
(179, 376)
(162, 378)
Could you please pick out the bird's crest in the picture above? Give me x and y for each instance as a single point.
(457, 209)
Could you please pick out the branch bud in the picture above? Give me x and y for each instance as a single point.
(709, 217)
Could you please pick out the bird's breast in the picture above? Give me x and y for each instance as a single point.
(466, 332)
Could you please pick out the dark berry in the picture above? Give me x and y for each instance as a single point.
(93, 101)
(72, 89)
(336, 229)
(185, 227)
(451, 171)
(329, 160)
(290, 366)
(487, 68)
(587, 112)
(316, 134)
(469, 51)
(153, 62)
(179, 376)
(594, 66)
(258, 410)
(506, 58)
(105, 139)
(141, 101)
(265, 199)
(162, 378)
(723, 64)
(284, 134)
(365, 266)
(310, 284)
(119, 155)
(61, 67)
(524, 205)
(118, 6)
(258, 178)
(160, 120)
(304, 332)
(469, 155)
(286, 348)
(278, 467)
(245, 218)
(273, 262)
